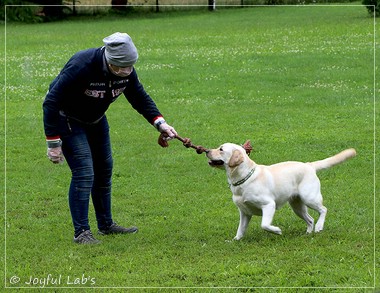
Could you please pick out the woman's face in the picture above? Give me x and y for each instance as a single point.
(120, 71)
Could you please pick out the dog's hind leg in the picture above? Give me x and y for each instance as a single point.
(243, 224)
(268, 214)
(322, 210)
(310, 194)
(317, 205)
(300, 209)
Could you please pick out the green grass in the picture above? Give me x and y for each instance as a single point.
(297, 81)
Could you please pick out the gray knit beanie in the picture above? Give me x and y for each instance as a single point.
(120, 50)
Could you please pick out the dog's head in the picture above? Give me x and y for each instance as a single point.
(227, 155)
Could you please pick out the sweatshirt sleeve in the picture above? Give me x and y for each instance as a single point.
(58, 90)
(140, 100)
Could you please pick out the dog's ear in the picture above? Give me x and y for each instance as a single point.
(236, 159)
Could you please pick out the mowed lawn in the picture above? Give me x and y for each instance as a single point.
(297, 81)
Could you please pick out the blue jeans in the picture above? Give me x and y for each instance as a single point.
(87, 150)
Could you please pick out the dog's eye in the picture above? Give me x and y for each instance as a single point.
(221, 149)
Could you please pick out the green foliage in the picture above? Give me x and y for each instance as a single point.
(373, 7)
(33, 11)
(303, 2)
(20, 12)
(297, 81)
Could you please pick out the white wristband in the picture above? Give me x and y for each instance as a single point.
(53, 143)
(158, 122)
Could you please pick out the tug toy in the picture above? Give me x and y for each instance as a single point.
(162, 141)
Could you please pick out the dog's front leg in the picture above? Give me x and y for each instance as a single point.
(243, 224)
(268, 214)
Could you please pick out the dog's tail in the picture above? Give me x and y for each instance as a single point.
(334, 160)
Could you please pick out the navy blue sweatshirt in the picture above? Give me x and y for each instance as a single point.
(84, 89)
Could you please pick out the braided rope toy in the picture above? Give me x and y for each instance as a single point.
(199, 149)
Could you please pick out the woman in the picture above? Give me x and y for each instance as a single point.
(76, 126)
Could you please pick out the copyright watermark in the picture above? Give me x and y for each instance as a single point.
(53, 280)
(14, 280)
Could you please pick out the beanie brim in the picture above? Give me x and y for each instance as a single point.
(120, 50)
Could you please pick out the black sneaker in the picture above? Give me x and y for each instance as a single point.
(86, 237)
(116, 229)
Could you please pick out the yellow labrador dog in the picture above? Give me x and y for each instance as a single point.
(260, 190)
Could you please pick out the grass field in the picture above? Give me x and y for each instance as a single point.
(297, 81)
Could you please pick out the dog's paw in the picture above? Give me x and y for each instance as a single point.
(276, 231)
(273, 229)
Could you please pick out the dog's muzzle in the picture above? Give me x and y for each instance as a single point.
(216, 163)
